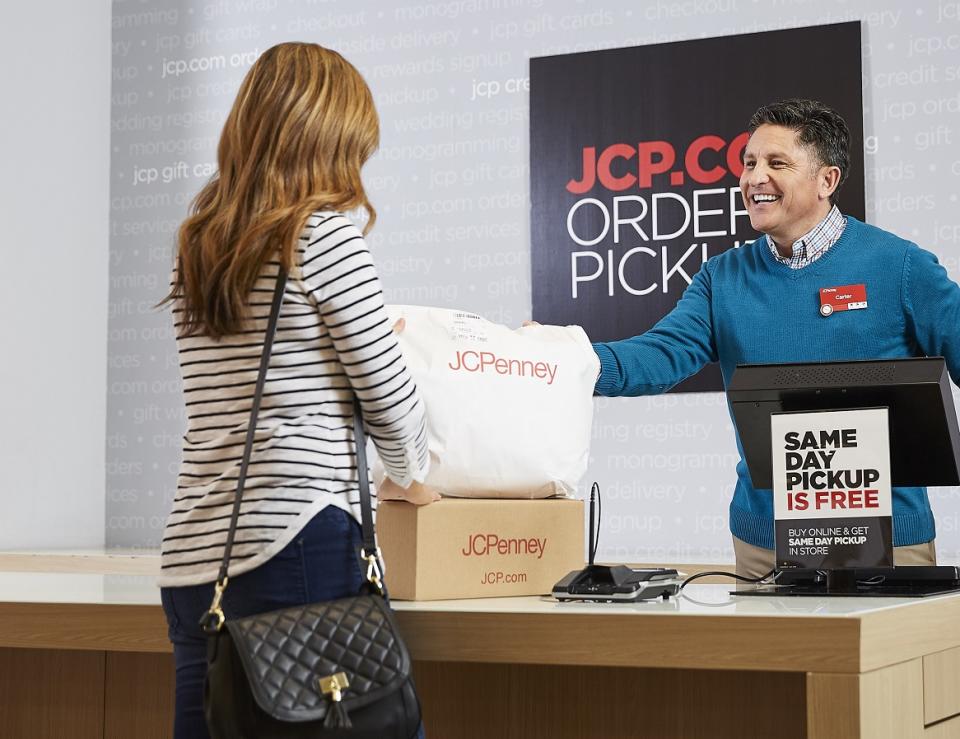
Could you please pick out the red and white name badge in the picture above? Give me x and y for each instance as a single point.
(845, 297)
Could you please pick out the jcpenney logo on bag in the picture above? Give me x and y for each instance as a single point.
(481, 545)
(474, 361)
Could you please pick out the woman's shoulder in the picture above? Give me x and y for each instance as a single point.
(322, 225)
(325, 236)
(325, 213)
(319, 218)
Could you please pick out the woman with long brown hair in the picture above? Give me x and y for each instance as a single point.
(302, 126)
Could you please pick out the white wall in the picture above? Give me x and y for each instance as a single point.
(54, 215)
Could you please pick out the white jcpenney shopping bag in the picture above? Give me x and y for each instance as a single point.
(509, 411)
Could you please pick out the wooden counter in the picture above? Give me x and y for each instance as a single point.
(88, 653)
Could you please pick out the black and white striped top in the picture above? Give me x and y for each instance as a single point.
(333, 338)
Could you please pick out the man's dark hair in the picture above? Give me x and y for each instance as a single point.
(817, 126)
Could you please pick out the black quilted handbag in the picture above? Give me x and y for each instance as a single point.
(333, 670)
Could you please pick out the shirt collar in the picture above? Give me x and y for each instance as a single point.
(815, 243)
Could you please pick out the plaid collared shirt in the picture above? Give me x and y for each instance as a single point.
(815, 243)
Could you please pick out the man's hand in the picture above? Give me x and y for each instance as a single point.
(399, 325)
(417, 493)
(528, 323)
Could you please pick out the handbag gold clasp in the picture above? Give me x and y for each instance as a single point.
(334, 685)
(373, 569)
(213, 619)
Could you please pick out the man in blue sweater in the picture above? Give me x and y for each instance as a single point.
(760, 304)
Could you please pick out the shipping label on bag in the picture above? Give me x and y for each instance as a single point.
(509, 411)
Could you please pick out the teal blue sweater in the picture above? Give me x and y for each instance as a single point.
(745, 307)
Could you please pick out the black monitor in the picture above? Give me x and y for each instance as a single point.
(924, 438)
(924, 447)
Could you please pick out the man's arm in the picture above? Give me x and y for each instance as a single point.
(932, 302)
(679, 345)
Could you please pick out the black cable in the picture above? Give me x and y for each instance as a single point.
(735, 576)
(595, 489)
(596, 539)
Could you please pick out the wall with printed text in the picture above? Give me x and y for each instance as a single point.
(451, 185)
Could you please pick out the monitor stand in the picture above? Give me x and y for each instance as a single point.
(841, 581)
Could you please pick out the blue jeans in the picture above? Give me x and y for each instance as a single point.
(319, 564)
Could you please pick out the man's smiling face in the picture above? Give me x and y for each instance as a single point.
(783, 185)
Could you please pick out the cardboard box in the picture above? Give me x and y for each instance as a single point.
(466, 548)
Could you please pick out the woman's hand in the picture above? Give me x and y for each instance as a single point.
(417, 493)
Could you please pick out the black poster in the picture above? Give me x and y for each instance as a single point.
(635, 166)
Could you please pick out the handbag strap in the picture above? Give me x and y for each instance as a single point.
(213, 619)
(369, 552)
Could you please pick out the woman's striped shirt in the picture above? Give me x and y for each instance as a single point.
(333, 339)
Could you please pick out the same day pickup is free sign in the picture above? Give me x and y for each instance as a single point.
(831, 489)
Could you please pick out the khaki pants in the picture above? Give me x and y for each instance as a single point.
(756, 561)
